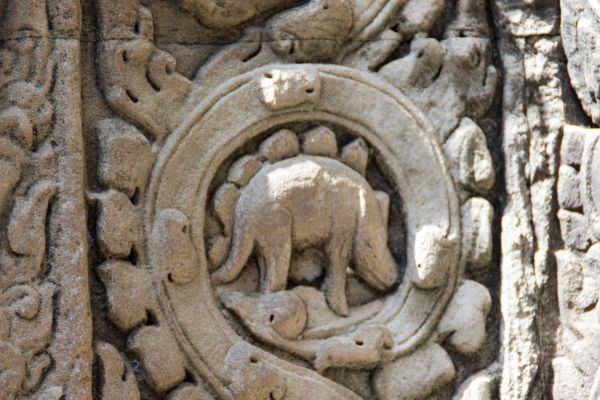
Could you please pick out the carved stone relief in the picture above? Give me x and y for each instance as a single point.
(271, 227)
(299, 199)
(42, 260)
(577, 264)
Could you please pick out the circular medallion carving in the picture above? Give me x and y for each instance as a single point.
(260, 203)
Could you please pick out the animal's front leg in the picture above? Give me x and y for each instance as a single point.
(334, 285)
(275, 247)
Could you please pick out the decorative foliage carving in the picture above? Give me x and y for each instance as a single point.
(287, 199)
(578, 284)
(581, 37)
(27, 188)
(119, 380)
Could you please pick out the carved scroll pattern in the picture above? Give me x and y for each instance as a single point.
(154, 251)
(27, 188)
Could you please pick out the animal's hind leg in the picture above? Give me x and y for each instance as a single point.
(338, 251)
(275, 250)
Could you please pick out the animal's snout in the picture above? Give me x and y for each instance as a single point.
(388, 275)
(385, 272)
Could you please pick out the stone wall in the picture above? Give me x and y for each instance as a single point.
(299, 199)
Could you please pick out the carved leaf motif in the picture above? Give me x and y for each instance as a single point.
(567, 188)
(119, 381)
(32, 101)
(24, 301)
(571, 388)
(27, 185)
(481, 386)
(448, 80)
(12, 370)
(140, 82)
(463, 324)
(414, 376)
(575, 230)
(243, 56)
(218, 247)
(32, 329)
(14, 122)
(477, 217)
(9, 176)
(159, 354)
(470, 158)
(119, 224)
(26, 228)
(36, 369)
(589, 184)
(174, 251)
(570, 277)
(571, 149)
(581, 38)
(125, 158)
(129, 293)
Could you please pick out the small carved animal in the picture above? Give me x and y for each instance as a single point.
(364, 348)
(309, 202)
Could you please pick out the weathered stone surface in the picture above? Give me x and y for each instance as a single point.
(299, 199)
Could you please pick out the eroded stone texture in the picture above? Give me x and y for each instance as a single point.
(299, 199)
(45, 334)
(302, 221)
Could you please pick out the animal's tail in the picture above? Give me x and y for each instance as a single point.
(241, 248)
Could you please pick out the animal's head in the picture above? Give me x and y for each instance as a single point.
(373, 261)
(284, 312)
(312, 32)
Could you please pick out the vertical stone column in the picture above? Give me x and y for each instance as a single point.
(73, 330)
(45, 323)
(533, 113)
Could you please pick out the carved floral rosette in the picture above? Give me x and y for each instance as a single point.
(165, 220)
